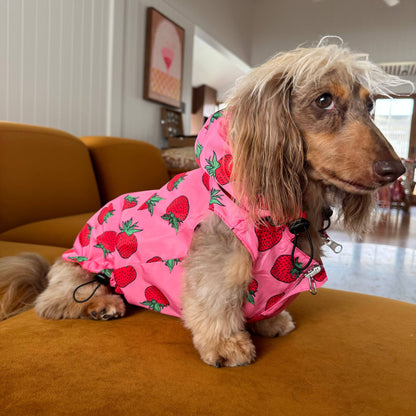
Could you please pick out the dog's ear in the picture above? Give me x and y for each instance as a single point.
(267, 147)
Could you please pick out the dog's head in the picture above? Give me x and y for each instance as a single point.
(304, 116)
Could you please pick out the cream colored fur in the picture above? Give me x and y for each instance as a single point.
(22, 278)
(56, 302)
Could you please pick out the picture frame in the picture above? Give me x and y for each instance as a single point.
(165, 41)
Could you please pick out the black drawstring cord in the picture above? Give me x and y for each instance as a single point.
(100, 278)
(323, 229)
(326, 215)
(90, 296)
(297, 227)
(301, 225)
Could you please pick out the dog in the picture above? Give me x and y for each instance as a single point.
(295, 141)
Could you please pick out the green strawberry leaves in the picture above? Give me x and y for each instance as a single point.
(78, 259)
(212, 165)
(214, 117)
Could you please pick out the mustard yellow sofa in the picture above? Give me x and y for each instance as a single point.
(51, 183)
(351, 354)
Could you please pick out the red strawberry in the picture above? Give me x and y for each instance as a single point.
(177, 211)
(118, 290)
(126, 243)
(155, 299)
(107, 242)
(284, 270)
(106, 213)
(85, 235)
(252, 289)
(150, 203)
(223, 174)
(205, 180)
(273, 300)
(154, 259)
(220, 169)
(175, 181)
(124, 275)
(268, 236)
(320, 276)
(129, 202)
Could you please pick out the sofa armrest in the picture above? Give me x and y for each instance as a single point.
(125, 165)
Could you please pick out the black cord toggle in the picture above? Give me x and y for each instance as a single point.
(326, 215)
(100, 278)
(297, 227)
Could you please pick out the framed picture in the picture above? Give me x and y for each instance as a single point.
(164, 59)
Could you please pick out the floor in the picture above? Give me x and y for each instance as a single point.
(383, 263)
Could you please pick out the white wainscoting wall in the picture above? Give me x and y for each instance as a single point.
(55, 63)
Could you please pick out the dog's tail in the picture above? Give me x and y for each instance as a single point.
(22, 279)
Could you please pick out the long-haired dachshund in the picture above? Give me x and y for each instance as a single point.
(229, 245)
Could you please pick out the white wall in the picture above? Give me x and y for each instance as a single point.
(229, 22)
(140, 118)
(77, 65)
(388, 34)
(54, 63)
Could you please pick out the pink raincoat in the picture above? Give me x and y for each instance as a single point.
(139, 240)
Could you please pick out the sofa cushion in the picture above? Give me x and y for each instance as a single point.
(179, 158)
(351, 354)
(46, 173)
(125, 165)
(54, 232)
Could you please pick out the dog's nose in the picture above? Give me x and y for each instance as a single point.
(388, 170)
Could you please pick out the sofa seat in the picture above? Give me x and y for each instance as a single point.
(55, 232)
(351, 354)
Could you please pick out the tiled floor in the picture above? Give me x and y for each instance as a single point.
(383, 264)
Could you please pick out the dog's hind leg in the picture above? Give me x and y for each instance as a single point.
(275, 326)
(57, 301)
(217, 271)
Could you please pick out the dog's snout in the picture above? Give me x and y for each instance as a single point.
(388, 170)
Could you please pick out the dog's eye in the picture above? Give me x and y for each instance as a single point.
(370, 106)
(325, 101)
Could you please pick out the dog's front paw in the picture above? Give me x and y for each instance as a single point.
(278, 325)
(104, 308)
(234, 351)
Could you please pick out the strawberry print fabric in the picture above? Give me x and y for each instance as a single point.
(139, 240)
